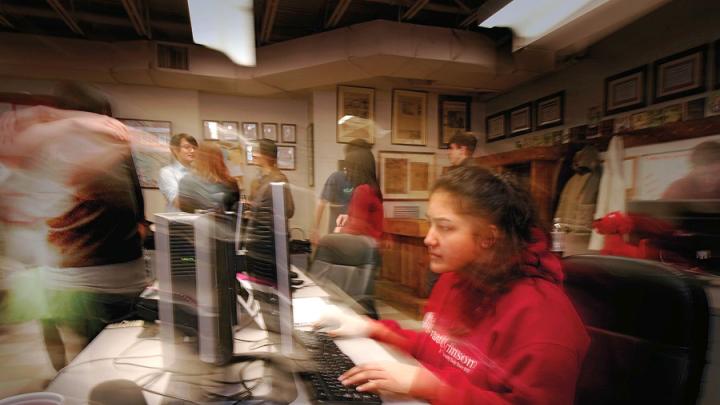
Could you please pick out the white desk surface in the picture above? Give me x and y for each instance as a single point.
(120, 353)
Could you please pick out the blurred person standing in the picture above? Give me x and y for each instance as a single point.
(265, 155)
(703, 181)
(73, 199)
(336, 193)
(462, 147)
(365, 211)
(208, 185)
(183, 147)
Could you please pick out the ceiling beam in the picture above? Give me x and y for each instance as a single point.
(482, 13)
(24, 11)
(5, 22)
(337, 14)
(414, 9)
(440, 8)
(462, 6)
(132, 7)
(268, 20)
(66, 17)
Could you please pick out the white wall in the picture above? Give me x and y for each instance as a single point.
(680, 25)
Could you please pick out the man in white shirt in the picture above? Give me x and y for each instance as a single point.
(183, 148)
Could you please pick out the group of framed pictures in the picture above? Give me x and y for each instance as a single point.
(545, 112)
(228, 131)
(678, 75)
(251, 131)
(356, 116)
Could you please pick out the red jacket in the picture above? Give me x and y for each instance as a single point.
(365, 213)
(529, 350)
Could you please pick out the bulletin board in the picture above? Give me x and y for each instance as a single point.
(151, 148)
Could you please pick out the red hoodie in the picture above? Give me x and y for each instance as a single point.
(529, 350)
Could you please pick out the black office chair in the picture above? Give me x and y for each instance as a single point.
(350, 262)
(648, 324)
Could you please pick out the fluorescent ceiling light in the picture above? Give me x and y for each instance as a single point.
(225, 25)
(532, 19)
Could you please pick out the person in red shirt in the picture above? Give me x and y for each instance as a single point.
(498, 328)
(365, 210)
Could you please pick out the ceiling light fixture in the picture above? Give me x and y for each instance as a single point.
(225, 25)
(530, 20)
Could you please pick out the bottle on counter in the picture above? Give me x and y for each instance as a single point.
(557, 236)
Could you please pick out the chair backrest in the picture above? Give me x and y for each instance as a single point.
(648, 324)
(348, 261)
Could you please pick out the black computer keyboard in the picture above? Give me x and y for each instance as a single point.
(330, 364)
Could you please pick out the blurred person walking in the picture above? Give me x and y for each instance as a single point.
(75, 217)
(365, 211)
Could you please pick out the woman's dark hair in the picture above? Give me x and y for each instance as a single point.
(360, 165)
(503, 202)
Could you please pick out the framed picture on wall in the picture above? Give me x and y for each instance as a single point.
(409, 118)
(679, 75)
(220, 130)
(355, 114)
(520, 119)
(454, 116)
(310, 155)
(550, 110)
(406, 175)
(287, 133)
(249, 154)
(270, 131)
(151, 148)
(250, 131)
(211, 130)
(229, 130)
(286, 157)
(496, 126)
(625, 91)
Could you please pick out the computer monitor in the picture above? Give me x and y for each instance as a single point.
(688, 228)
(195, 260)
(267, 265)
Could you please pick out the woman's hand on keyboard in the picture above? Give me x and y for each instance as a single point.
(391, 377)
(343, 323)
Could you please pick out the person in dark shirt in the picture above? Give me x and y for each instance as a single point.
(703, 182)
(462, 147)
(336, 193)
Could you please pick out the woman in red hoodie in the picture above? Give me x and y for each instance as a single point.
(498, 328)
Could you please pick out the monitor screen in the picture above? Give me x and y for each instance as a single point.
(195, 260)
(267, 264)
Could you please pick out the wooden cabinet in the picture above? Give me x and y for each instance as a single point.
(537, 167)
(405, 274)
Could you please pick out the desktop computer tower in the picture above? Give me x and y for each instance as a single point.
(195, 265)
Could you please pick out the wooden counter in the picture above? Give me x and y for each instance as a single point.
(404, 277)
